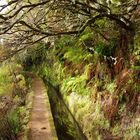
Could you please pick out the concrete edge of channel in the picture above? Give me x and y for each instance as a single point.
(54, 133)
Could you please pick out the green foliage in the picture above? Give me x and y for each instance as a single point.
(116, 129)
(86, 91)
(86, 35)
(77, 54)
(65, 41)
(88, 114)
(13, 87)
(14, 120)
(34, 56)
(104, 49)
(4, 72)
(5, 80)
(75, 84)
(55, 76)
(101, 23)
(132, 130)
(111, 87)
(22, 82)
(101, 49)
(71, 48)
(136, 67)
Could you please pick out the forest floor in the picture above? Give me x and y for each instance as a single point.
(39, 124)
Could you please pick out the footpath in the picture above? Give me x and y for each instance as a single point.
(41, 125)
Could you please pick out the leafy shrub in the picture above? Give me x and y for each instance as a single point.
(132, 130)
(5, 80)
(14, 121)
(88, 114)
(104, 49)
(77, 54)
(111, 87)
(10, 125)
(75, 84)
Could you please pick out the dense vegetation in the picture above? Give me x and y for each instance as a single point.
(14, 101)
(104, 103)
(89, 51)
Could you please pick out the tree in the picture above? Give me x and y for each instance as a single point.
(24, 23)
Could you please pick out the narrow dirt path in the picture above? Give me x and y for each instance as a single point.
(39, 125)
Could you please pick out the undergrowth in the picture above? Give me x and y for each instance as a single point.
(85, 69)
(13, 91)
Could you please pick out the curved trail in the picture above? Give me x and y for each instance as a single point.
(40, 125)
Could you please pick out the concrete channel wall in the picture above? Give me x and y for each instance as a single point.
(50, 113)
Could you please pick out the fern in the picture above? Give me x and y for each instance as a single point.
(75, 84)
(77, 54)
